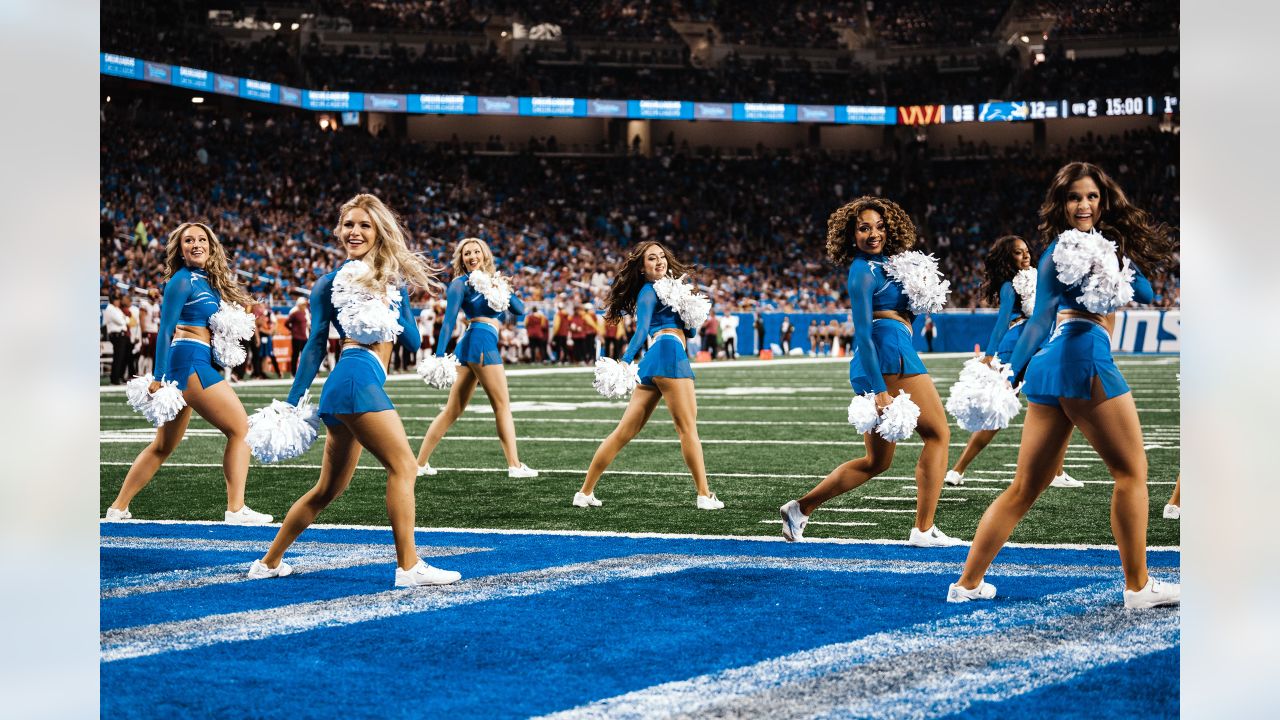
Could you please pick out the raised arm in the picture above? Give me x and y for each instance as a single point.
(1143, 293)
(454, 299)
(861, 285)
(176, 293)
(517, 305)
(1049, 292)
(645, 305)
(1008, 299)
(313, 352)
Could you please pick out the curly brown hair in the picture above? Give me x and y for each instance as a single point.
(1138, 236)
(900, 231)
(1000, 267)
(629, 278)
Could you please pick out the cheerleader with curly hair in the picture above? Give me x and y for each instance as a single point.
(865, 234)
(665, 372)
(367, 300)
(1093, 233)
(1010, 282)
(198, 281)
(474, 291)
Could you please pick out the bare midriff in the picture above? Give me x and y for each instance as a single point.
(890, 315)
(673, 332)
(1106, 321)
(491, 322)
(382, 350)
(192, 332)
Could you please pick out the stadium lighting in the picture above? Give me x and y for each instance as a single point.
(1025, 39)
(324, 123)
(108, 98)
(275, 26)
(294, 26)
(1039, 58)
(197, 99)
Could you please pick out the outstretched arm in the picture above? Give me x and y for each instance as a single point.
(645, 305)
(454, 299)
(313, 352)
(176, 293)
(861, 285)
(1007, 300)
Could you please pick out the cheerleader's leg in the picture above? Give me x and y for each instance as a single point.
(683, 404)
(850, 475)
(220, 405)
(459, 395)
(936, 434)
(152, 457)
(383, 434)
(639, 410)
(494, 381)
(341, 453)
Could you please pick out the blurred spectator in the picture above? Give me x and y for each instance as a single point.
(298, 323)
(116, 322)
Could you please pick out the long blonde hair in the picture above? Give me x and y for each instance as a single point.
(390, 258)
(486, 261)
(217, 267)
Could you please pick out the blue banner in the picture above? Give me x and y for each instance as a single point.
(290, 96)
(1004, 112)
(606, 108)
(226, 84)
(330, 100)
(120, 66)
(443, 104)
(815, 113)
(157, 73)
(497, 105)
(377, 102)
(660, 109)
(866, 115)
(192, 78)
(764, 112)
(553, 107)
(712, 111)
(259, 90)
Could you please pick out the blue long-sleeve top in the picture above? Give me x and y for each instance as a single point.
(1010, 310)
(323, 313)
(189, 299)
(652, 316)
(1052, 296)
(461, 296)
(871, 289)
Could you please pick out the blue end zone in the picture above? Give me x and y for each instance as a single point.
(547, 623)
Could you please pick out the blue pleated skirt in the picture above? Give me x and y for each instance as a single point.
(1077, 352)
(354, 386)
(1004, 351)
(479, 344)
(188, 356)
(897, 357)
(665, 358)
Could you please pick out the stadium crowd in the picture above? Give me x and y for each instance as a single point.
(561, 220)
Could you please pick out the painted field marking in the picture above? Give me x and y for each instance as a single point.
(867, 510)
(926, 670)
(900, 498)
(825, 522)
(960, 489)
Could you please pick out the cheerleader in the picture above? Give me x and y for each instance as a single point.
(1011, 282)
(198, 280)
(475, 292)
(866, 233)
(664, 372)
(1072, 381)
(368, 302)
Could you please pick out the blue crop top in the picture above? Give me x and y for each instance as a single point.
(1010, 310)
(323, 313)
(870, 289)
(1052, 296)
(473, 305)
(189, 299)
(652, 316)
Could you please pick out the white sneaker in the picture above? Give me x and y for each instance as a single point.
(709, 502)
(521, 471)
(1171, 512)
(246, 516)
(426, 470)
(424, 574)
(793, 521)
(957, 594)
(1154, 594)
(933, 537)
(580, 500)
(258, 570)
(114, 514)
(1066, 481)
(954, 478)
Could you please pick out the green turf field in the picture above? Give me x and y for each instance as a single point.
(770, 431)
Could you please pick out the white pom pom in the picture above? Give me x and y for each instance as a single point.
(159, 407)
(918, 274)
(1089, 261)
(495, 289)
(898, 421)
(678, 295)
(1024, 283)
(282, 431)
(862, 412)
(439, 372)
(1075, 254)
(366, 317)
(982, 398)
(230, 327)
(1109, 286)
(615, 379)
